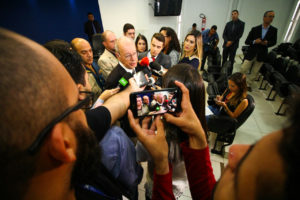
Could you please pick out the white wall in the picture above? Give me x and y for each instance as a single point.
(115, 13)
(253, 15)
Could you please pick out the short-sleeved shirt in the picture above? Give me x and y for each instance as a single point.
(99, 120)
(206, 39)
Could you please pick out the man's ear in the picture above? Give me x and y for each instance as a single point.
(81, 88)
(62, 143)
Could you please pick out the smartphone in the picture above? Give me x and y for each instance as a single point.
(140, 79)
(155, 102)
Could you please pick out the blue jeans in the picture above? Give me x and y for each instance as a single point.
(214, 109)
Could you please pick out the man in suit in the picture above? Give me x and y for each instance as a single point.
(108, 60)
(260, 39)
(127, 56)
(84, 49)
(232, 33)
(155, 54)
(91, 27)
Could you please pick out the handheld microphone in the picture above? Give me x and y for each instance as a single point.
(124, 81)
(146, 61)
(157, 68)
(151, 81)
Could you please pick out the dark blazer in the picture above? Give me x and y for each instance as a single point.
(235, 34)
(259, 50)
(114, 77)
(88, 28)
(161, 58)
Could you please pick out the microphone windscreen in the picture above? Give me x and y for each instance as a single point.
(145, 61)
(123, 82)
(155, 65)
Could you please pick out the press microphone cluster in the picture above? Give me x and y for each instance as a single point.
(152, 65)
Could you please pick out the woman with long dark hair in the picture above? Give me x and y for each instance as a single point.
(141, 44)
(192, 49)
(233, 101)
(171, 46)
(193, 81)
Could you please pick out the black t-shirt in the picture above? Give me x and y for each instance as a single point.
(99, 120)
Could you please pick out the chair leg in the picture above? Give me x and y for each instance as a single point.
(273, 98)
(214, 150)
(278, 111)
(258, 78)
(265, 88)
(260, 87)
(268, 98)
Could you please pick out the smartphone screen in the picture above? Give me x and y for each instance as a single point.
(154, 102)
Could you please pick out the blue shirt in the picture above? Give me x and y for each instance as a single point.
(264, 31)
(207, 40)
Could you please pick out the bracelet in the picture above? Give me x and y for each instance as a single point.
(99, 102)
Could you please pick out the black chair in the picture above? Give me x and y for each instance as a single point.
(266, 69)
(288, 92)
(244, 50)
(98, 47)
(225, 126)
(289, 88)
(282, 48)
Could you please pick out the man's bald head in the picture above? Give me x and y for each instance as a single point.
(31, 95)
(84, 49)
(126, 52)
(109, 40)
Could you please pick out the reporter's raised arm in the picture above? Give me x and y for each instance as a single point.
(118, 104)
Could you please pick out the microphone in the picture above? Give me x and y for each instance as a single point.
(156, 68)
(146, 61)
(124, 81)
(151, 81)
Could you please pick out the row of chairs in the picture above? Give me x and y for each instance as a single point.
(283, 74)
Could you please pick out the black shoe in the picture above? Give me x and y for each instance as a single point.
(249, 89)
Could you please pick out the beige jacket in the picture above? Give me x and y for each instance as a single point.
(107, 62)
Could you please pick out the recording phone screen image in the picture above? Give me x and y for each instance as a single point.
(154, 103)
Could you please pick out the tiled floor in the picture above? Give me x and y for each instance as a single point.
(260, 123)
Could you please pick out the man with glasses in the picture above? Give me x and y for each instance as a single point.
(46, 147)
(260, 38)
(116, 148)
(127, 56)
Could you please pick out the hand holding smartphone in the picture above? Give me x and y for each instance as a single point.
(154, 102)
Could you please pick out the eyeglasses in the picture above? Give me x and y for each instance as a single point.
(86, 103)
(128, 56)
